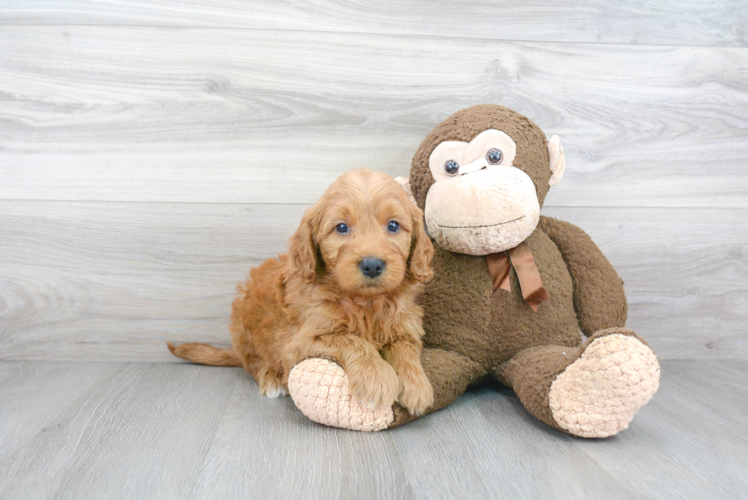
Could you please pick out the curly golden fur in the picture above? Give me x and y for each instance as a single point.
(315, 301)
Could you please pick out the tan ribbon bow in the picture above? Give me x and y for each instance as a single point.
(530, 283)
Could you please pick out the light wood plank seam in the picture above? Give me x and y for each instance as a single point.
(633, 46)
(300, 204)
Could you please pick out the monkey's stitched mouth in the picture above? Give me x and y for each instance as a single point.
(485, 225)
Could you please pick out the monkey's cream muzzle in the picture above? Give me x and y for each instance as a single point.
(485, 209)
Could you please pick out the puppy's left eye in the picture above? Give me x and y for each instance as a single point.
(342, 228)
(393, 226)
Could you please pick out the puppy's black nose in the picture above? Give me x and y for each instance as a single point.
(371, 267)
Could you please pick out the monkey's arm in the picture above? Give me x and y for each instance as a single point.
(599, 299)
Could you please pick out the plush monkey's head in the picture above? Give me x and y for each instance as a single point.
(481, 176)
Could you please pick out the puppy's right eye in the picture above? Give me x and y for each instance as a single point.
(342, 228)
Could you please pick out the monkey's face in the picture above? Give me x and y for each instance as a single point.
(480, 203)
(484, 194)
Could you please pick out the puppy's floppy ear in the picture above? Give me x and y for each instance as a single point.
(303, 244)
(421, 249)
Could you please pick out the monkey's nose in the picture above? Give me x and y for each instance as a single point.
(473, 167)
(371, 267)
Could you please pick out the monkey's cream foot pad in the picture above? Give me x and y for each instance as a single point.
(319, 388)
(598, 394)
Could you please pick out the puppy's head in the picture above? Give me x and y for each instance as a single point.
(364, 235)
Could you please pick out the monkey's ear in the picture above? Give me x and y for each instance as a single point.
(557, 160)
(405, 184)
(303, 245)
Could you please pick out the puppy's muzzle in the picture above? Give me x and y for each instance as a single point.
(371, 267)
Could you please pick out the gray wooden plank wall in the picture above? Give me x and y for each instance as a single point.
(151, 152)
(673, 22)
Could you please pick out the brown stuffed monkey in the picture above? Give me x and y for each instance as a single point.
(511, 291)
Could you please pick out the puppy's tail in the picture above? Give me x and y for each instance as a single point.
(205, 354)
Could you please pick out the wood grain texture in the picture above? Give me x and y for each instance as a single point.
(115, 280)
(695, 424)
(257, 116)
(148, 426)
(266, 448)
(32, 395)
(485, 445)
(700, 22)
(186, 431)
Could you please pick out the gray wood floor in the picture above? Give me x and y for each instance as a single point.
(157, 430)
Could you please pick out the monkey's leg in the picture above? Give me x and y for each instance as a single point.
(319, 388)
(589, 391)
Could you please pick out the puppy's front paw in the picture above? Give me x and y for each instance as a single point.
(417, 395)
(374, 384)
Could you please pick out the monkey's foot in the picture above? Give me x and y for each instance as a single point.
(599, 393)
(319, 388)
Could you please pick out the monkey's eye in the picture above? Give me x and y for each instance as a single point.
(494, 156)
(393, 226)
(342, 228)
(451, 167)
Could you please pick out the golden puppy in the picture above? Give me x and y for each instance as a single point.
(345, 291)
